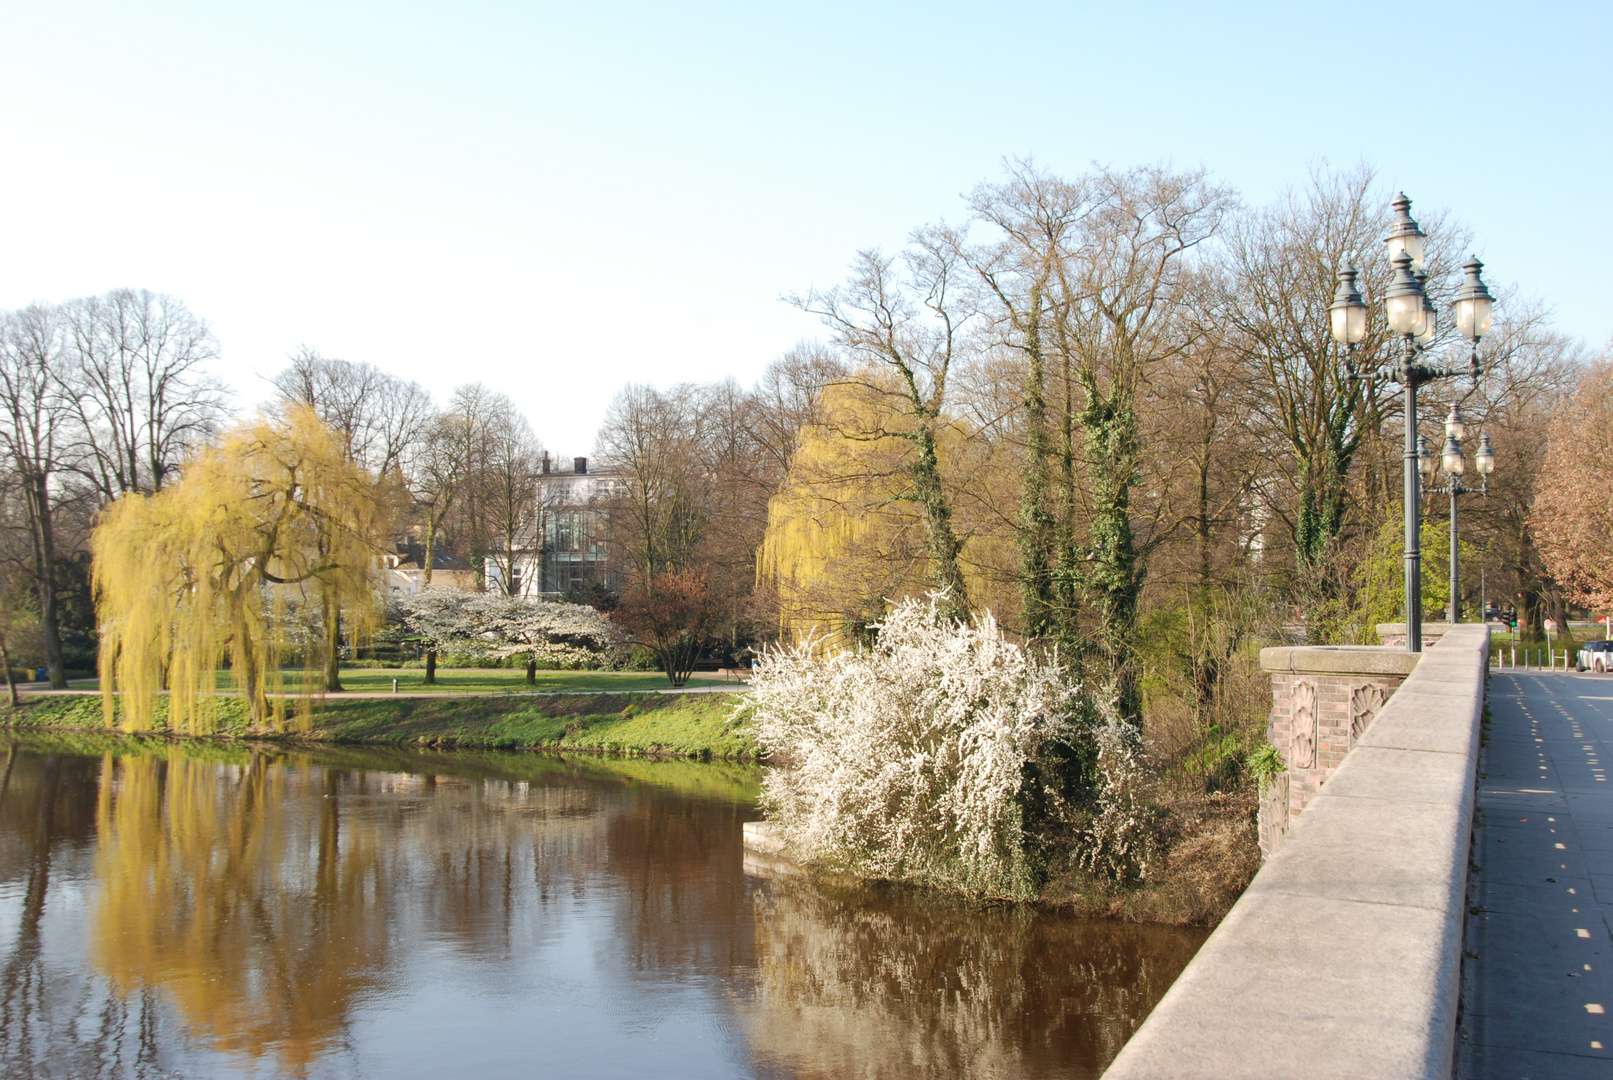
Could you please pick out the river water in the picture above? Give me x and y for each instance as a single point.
(224, 912)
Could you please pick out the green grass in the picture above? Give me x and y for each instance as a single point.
(475, 681)
(689, 725)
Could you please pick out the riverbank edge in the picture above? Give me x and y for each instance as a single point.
(625, 723)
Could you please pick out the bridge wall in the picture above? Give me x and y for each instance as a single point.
(1342, 958)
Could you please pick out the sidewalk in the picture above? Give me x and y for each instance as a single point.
(1538, 975)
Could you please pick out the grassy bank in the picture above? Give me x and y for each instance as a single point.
(470, 681)
(689, 725)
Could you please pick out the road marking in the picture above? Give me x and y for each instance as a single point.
(1595, 1010)
(1560, 847)
(1583, 933)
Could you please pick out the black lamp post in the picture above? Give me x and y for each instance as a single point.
(1453, 463)
(1411, 316)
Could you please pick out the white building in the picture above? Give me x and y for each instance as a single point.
(569, 548)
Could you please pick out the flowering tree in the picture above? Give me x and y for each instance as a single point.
(434, 617)
(931, 757)
(543, 631)
(498, 626)
(1572, 516)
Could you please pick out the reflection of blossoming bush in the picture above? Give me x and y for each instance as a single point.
(920, 758)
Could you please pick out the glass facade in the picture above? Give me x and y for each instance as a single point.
(574, 553)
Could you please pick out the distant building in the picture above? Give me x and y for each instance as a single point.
(569, 549)
(405, 572)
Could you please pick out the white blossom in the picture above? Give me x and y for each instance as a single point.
(496, 626)
(909, 760)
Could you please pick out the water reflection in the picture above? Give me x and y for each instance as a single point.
(171, 912)
(877, 982)
(236, 891)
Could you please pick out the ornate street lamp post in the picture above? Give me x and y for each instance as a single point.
(1454, 464)
(1411, 316)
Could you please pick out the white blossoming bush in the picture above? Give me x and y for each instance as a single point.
(920, 759)
(1120, 837)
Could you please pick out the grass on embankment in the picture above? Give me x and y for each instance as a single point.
(692, 725)
(471, 681)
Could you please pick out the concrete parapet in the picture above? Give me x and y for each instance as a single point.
(1342, 957)
(1394, 633)
(1323, 697)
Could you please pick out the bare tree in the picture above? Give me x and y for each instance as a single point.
(34, 355)
(1281, 265)
(904, 326)
(1085, 282)
(138, 388)
(507, 487)
(653, 441)
(378, 415)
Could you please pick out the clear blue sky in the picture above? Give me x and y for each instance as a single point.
(558, 198)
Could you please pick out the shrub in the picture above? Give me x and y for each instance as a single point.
(935, 756)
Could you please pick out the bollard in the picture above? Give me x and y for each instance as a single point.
(394, 686)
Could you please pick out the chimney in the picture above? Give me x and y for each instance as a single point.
(579, 465)
(546, 463)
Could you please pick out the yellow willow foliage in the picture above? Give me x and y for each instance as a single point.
(239, 899)
(842, 535)
(274, 520)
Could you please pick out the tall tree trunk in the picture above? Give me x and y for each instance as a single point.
(44, 543)
(5, 658)
(1112, 574)
(333, 642)
(940, 539)
(425, 583)
(1036, 522)
(532, 671)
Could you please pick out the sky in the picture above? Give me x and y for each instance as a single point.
(558, 199)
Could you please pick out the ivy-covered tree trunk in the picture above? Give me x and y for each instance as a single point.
(940, 540)
(1037, 541)
(1111, 573)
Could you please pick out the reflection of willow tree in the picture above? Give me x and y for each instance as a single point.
(191, 577)
(877, 983)
(242, 895)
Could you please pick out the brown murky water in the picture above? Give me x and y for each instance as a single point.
(183, 912)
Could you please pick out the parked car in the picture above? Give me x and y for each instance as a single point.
(1595, 656)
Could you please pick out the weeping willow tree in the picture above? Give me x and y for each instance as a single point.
(217, 570)
(846, 533)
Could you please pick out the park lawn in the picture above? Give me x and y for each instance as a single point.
(477, 681)
(688, 725)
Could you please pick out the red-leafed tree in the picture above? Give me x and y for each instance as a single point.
(1572, 516)
(672, 614)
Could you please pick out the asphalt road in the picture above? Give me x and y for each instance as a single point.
(1538, 972)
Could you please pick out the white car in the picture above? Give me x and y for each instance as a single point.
(1595, 656)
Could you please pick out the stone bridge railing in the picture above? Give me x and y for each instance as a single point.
(1343, 957)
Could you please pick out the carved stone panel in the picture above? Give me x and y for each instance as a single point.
(1365, 701)
(1274, 816)
(1304, 725)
